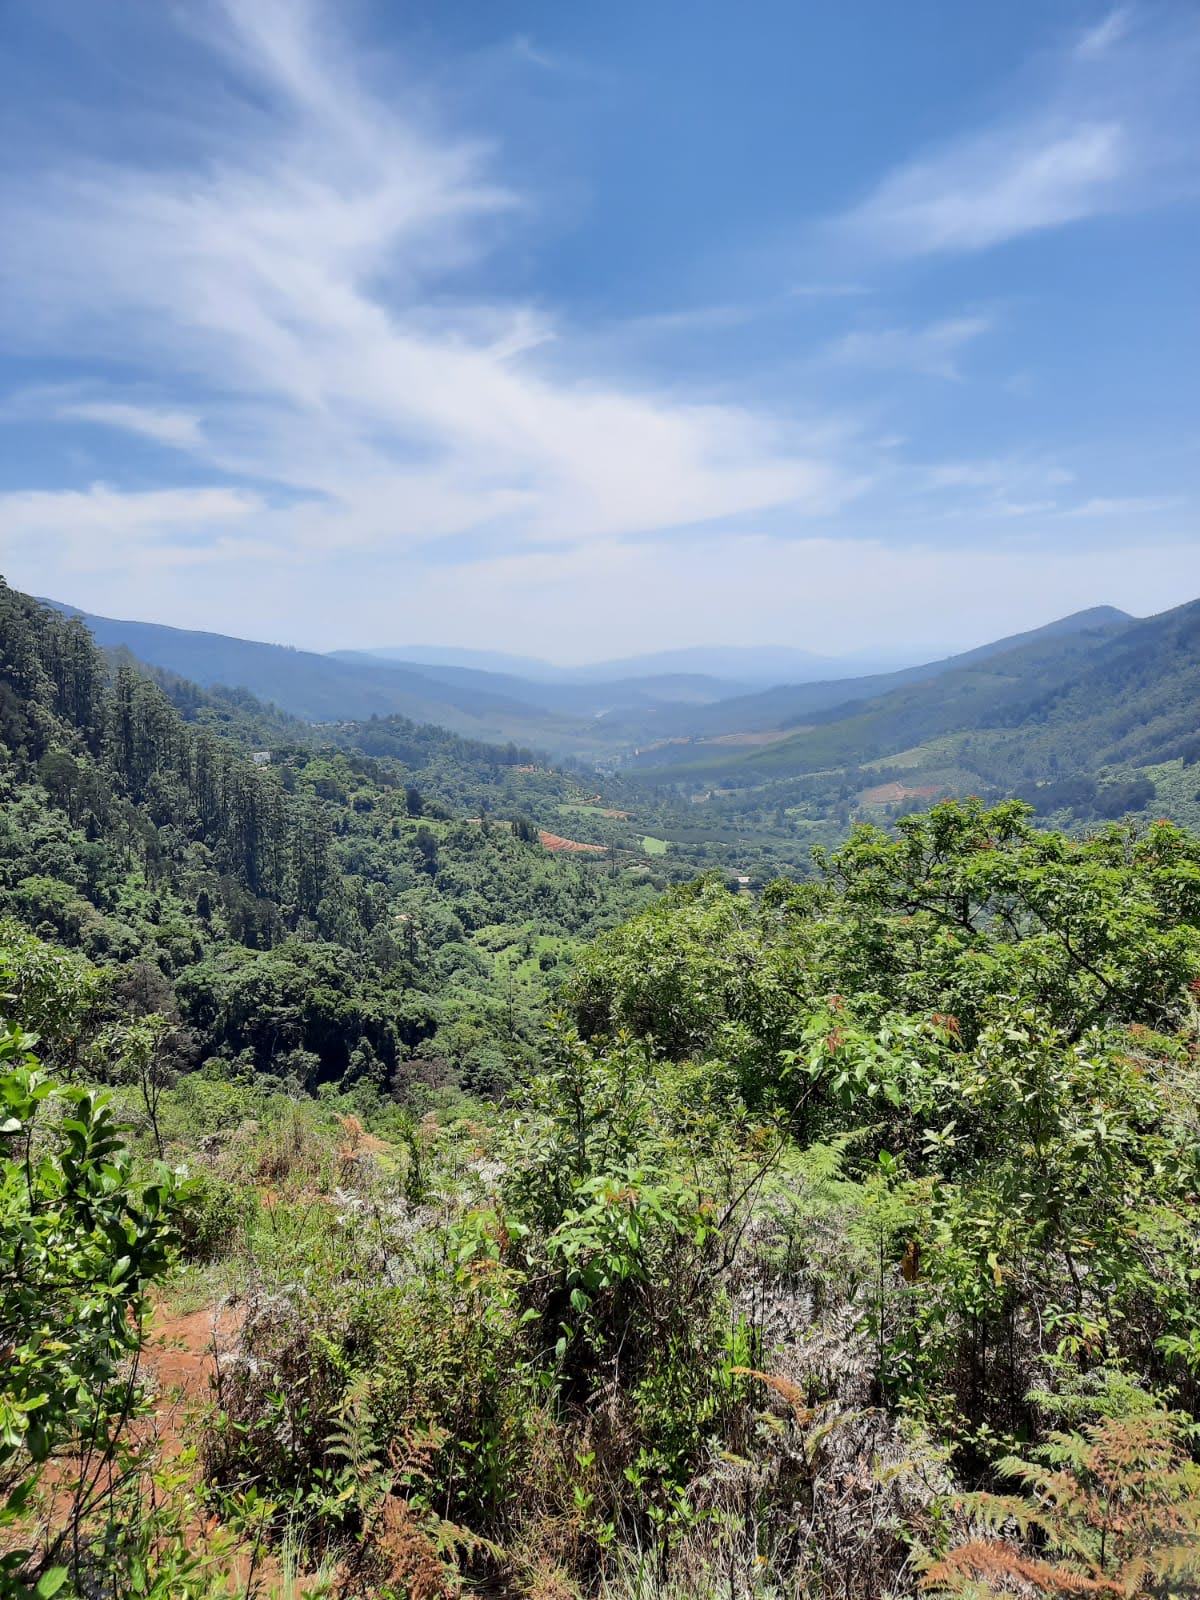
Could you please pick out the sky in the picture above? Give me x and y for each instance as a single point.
(579, 330)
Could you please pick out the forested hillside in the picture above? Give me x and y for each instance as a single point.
(1042, 651)
(315, 911)
(703, 723)
(1087, 724)
(590, 716)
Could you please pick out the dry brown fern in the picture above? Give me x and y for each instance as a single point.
(1112, 1510)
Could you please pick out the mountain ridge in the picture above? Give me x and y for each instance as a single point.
(752, 665)
(1058, 701)
(785, 704)
(594, 721)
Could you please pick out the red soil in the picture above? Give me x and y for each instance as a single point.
(182, 1350)
(554, 842)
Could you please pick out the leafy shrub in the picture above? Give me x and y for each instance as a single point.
(1114, 1510)
(81, 1240)
(215, 1213)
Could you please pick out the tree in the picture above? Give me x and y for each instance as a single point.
(144, 1050)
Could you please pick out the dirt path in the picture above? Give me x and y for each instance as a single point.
(182, 1350)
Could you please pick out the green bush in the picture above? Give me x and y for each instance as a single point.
(214, 1216)
(81, 1241)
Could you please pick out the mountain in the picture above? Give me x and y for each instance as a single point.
(784, 706)
(582, 698)
(750, 666)
(321, 688)
(433, 655)
(688, 723)
(1062, 707)
(570, 718)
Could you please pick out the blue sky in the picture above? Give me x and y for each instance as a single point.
(581, 329)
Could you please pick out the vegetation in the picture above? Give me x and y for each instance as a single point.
(366, 911)
(1086, 723)
(395, 1208)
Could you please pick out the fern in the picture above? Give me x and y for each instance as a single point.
(1114, 1509)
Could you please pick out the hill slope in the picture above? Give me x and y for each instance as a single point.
(787, 704)
(575, 718)
(1073, 721)
(320, 688)
(284, 901)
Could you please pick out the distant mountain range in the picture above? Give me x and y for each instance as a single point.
(1098, 686)
(751, 665)
(1096, 693)
(589, 718)
(784, 706)
(1092, 715)
(597, 711)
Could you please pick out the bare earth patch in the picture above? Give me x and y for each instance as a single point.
(555, 843)
(890, 794)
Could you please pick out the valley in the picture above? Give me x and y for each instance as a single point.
(1000, 719)
(444, 1083)
(599, 801)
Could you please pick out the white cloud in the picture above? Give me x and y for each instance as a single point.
(1097, 131)
(1098, 41)
(102, 528)
(1007, 472)
(827, 291)
(994, 187)
(1003, 487)
(164, 426)
(305, 274)
(305, 271)
(524, 47)
(932, 351)
(693, 319)
(1124, 506)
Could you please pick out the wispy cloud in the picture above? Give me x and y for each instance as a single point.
(1098, 130)
(932, 351)
(104, 528)
(1002, 487)
(696, 319)
(76, 402)
(305, 276)
(1125, 506)
(524, 47)
(996, 187)
(286, 298)
(1099, 40)
(160, 423)
(740, 587)
(827, 291)
(1005, 472)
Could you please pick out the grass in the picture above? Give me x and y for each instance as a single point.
(653, 846)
